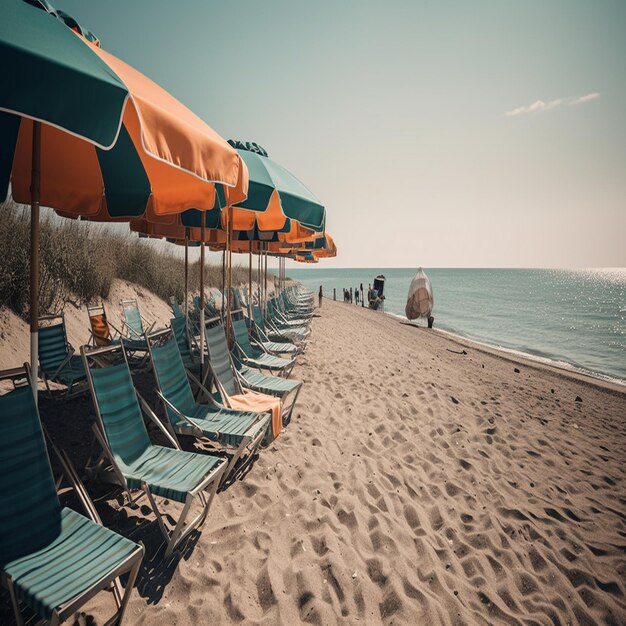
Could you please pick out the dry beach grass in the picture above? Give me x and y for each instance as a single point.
(415, 485)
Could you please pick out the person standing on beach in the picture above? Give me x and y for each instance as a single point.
(350, 295)
(320, 297)
(356, 296)
(362, 296)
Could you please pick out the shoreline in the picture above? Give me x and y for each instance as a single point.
(567, 370)
(605, 381)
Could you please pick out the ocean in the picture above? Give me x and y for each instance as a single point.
(574, 318)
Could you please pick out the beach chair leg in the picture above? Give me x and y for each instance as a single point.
(288, 411)
(45, 380)
(159, 517)
(234, 459)
(182, 529)
(14, 602)
(130, 585)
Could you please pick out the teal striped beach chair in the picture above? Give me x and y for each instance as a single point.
(280, 321)
(232, 377)
(57, 361)
(134, 321)
(255, 356)
(137, 464)
(294, 335)
(52, 559)
(239, 431)
(258, 337)
(191, 358)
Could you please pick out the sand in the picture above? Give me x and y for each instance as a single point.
(415, 485)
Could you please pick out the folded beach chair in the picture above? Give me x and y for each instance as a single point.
(52, 559)
(235, 381)
(135, 463)
(57, 362)
(241, 432)
(255, 356)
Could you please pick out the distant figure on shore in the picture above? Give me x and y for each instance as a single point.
(350, 295)
(320, 296)
(356, 296)
(369, 292)
(362, 298)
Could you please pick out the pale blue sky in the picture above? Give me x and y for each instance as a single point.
(394, 114)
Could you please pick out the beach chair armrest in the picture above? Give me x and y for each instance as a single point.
(109, 455)
(149, 413)
(202, 387)
(128, 331)
(181, 416)
(64, 362)
(240, 350)
(116, 329)
(72, 477)
(261, 332)
(150, 326)
(259, 345)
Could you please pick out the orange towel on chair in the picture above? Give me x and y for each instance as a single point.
(253, 401)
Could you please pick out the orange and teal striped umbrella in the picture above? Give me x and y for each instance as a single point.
(86, 134)
(113, 143)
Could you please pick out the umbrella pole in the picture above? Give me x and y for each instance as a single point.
(258, 276)
(35, 178)
(250, 282)
(229, 244)
(223, 280)
(265, 274)
(202, 236)
(186, 309)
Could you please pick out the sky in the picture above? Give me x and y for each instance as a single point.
(438, 133)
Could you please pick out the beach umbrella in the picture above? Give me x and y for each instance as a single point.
(269, 179)
(93, 137)
(269, 184)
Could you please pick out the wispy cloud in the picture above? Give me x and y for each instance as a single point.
(581, 99)
(540, 105)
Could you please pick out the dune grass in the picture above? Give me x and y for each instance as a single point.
(80, 260)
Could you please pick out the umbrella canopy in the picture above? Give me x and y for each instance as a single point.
(114, 143)
(268, 177)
